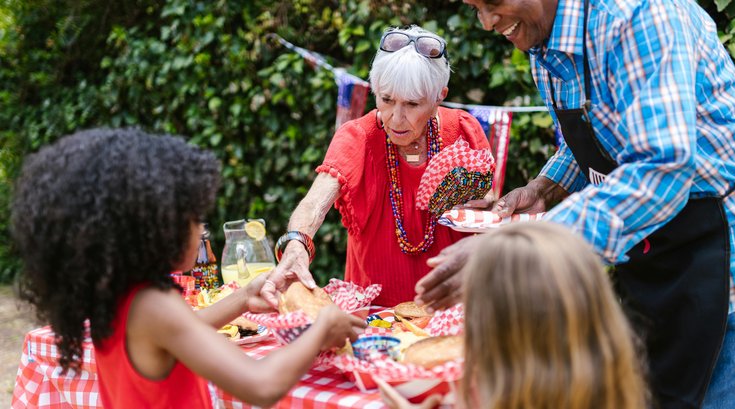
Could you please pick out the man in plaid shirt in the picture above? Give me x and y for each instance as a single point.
(644, 95)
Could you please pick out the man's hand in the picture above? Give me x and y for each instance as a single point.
(442, 287)
(537, 196)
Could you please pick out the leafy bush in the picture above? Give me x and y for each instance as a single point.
(207, 70)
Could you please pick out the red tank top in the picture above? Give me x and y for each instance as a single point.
(357, 158)
(121, 386)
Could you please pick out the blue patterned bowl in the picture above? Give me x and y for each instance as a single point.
(364, 347)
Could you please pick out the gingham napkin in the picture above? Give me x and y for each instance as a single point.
(455, 175)
(473, 219)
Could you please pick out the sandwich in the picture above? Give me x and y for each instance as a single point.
(434, 351)
(412, 317)
(298, 297)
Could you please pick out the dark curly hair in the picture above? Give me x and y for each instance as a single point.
(98, 212)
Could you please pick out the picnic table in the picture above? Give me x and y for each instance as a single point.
(40, 384)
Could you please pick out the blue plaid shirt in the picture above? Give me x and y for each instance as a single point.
(663, 106)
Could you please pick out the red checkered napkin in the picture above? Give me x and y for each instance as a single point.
(350, 296)
(473, 220)
(457, 155)
(446, 322)
(287, 327)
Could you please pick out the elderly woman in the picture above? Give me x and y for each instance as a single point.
(372, 170)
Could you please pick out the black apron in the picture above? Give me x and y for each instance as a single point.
(675, 285)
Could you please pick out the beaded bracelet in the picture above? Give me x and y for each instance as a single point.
(298, 236)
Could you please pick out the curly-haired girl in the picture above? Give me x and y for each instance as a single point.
(101, 218)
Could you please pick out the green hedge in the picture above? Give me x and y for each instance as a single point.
(206, 70)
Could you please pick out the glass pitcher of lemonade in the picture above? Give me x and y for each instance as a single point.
(247, 252)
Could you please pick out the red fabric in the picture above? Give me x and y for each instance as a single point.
(121, 386)
(357, 158)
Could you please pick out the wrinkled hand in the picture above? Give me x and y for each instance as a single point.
(294, 266)
(537, 196)
(442, 287)
(338, 326)
(255, 301)
(394, 400)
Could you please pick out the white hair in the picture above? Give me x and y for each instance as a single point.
(408, 74)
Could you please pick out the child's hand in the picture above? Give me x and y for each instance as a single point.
(394, 400)
(255, 302)
(337, 326)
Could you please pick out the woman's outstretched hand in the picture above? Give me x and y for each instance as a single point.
(294, 266)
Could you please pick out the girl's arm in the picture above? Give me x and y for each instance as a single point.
(243, 299)
(162, 329)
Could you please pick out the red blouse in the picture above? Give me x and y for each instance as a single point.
(121, 386)
(357, 158)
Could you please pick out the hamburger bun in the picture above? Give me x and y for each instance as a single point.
(434, 351)
(298, 297)
(409, 311)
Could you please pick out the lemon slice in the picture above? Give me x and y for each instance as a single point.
(255, 229)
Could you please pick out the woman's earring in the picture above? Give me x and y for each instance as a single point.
(380, 120)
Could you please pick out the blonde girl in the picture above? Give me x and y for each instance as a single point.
(543, 328)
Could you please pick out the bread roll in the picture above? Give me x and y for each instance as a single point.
(433, 351)
(298, 297)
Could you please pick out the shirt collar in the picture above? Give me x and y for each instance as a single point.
(567, 33)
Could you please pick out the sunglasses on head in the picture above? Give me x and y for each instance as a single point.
(428, 46)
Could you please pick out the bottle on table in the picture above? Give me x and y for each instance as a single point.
(205, 271)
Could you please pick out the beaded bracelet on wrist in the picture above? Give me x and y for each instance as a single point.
(303, 238)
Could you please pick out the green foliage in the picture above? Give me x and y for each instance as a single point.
(207, 70)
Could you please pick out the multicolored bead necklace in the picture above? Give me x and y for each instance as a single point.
(396, 194)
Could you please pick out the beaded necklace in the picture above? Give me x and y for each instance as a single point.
(396, 194)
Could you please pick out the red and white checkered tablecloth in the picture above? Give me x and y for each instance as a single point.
(39, 383)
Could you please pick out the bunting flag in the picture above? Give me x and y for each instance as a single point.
(352, 93)
(496, 123)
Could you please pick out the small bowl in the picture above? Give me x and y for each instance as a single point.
(383, 345)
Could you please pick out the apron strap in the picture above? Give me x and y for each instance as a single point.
(587, 75)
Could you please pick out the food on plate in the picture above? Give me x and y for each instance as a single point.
(298, 297)
(411, 317)
(230, 331)
(434, 351)
(409, 311)
(379, 323)
(239, 328)
(207, 297)
(406, 339)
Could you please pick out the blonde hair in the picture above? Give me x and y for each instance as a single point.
(543, 328)
(408, 74)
